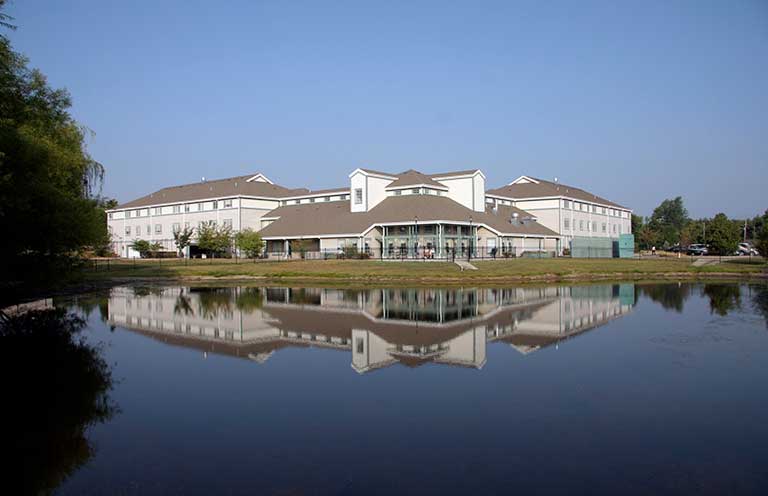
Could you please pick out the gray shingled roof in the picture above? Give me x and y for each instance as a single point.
(335, 218)
(412, 178)
(546, 189)
(232, 186)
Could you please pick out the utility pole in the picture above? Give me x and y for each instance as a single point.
(745, 231)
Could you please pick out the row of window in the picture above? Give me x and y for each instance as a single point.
(499, 201)
(313, 200)
(586, 207)
(176, 209)
(176, 227)
(591, 226)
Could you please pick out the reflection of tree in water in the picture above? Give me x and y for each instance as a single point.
(249, 299)
(760, 300)
(669, 296)
(183, 305)
(55, 385)
(214, 300)
(147, 291)
(723, 298)
(87, 303)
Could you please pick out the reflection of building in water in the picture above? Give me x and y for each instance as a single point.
(379, 327)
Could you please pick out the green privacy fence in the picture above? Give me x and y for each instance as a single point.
(624, 247)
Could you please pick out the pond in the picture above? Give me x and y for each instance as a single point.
(602, 388)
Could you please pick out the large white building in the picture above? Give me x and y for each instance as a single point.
(390, 215)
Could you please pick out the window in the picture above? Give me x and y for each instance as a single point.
(228, 223)
(176, 227)
(177, 209)
(614, 229)
(311, 200)
(227, 203)
(284, 202)
(589, 226)
(158, 228)
(566, 203)
(215, 205)
(594, 209)
(582, 206)
(358, 196)
(128, 230)
(186, 207)
(146, 212)
(149, 229)
(566, 223)
(603, 211)
(158, 210)
(415, 191)
(327, 198)
(398, 192)
(360, 345)
(109, 216)
(199, 207)
(127, 214)
(296, 201)
(345, 197)
(581, 225)
(603, 226)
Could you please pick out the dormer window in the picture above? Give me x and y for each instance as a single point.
(358, 196)
(415, 191)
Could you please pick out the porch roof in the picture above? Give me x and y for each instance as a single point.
(335, 218)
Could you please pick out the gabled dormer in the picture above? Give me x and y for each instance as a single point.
(367, 188)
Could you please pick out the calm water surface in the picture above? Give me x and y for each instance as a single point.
(613, 389)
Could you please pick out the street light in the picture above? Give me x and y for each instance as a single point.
(416, 236)
(471, 239)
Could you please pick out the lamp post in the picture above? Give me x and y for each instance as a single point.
(471, 239)
(416, 236)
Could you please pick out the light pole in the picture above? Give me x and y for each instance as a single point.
(471, 239)
(416, 236)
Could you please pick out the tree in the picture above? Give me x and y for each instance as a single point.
(214, 239)
(722, 235)
(761, 236)
(250, 242)
(142, 246)
(182, 238)
(668, 219)
(48, 181)
(692, 233)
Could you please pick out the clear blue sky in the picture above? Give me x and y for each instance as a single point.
(635, 101)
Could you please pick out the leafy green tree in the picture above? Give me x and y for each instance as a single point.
(182, 238)
(249, 242)
(142, 246)
(668, 219)
(214, 239)
(48, 181)
(761, 236)
(692, 233)
(722, 235)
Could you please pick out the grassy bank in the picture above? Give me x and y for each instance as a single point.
(437, 272)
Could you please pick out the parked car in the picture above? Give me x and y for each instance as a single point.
(746, 249)
(697, 250)
(675, 248)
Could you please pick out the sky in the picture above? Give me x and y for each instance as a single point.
(633, 101)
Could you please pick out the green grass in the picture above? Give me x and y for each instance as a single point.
(372, 271)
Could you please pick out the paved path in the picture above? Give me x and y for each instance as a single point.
(701, 262)
(465, 265)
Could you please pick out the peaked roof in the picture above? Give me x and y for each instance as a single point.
(335, 218)
(412, 178)
(544, 188)
(231, 186)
